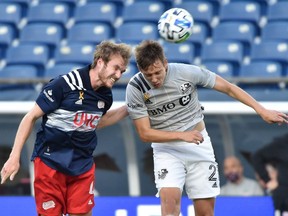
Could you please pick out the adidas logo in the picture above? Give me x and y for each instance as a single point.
(215, 185)
(79, 102)
(90, 202)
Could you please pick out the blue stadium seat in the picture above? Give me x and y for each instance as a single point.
(167, 3)
(212, 95)
(11, 13)
(201, 32)
(202, 11)
(240, 11)
(49, 34)
(145, 11)
(182, 53)
(7, 34)
(277, 11)
(276, 30)
(119, 4)
(19, 71)
(96, 12)
(49, 12)
(268, 94)
(90, 32)
(261, 69)
(223, 51)
(224, 69)
(71, 3)
(77, 53)
(61, 68)
(270, 50)
(244, 32)
(135, 32)
(131, 71)
(24, 3)
(28, 54)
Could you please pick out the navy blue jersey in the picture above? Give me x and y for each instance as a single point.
(67, 137)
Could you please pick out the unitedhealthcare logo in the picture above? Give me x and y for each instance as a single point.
(150, 210)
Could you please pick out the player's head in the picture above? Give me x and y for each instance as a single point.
(151, 61)
(109, 63)
(106, 49)
(233, 169)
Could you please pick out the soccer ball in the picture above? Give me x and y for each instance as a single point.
(175, 25)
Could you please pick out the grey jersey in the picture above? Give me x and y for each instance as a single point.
(175, 105)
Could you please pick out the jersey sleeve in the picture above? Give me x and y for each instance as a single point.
(135, 102)
(51, 95)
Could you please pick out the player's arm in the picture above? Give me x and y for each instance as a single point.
(12, 165)
(270, 116)
(113, 116)
(148, 134)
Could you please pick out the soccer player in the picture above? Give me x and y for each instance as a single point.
(162, 101)
(72, 107)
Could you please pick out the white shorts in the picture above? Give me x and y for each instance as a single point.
(175, 166)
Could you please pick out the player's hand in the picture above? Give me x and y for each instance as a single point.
(9, 169)
(193, 136)
(272, 116)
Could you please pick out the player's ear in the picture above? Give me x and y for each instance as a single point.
(165, 63)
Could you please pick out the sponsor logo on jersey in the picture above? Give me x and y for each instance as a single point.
(162, 173)
(48, 95)
(185, 87)
(49, 204)
(86, 119)
(183, 101)
(134, 106)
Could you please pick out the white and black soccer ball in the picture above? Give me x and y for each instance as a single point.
(175, 25)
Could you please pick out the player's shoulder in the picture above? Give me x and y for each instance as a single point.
(138, 82)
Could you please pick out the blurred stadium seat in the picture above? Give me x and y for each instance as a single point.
(224, 69)
(96, 12)
(24, 3)
(223, 51)
(11, 13)
(119, 4)
(76, 53)
(59, 69)
(145, 11)
(202, 11)
(49, 34)
(28, 54)
(135, 32)
(7, 34)
(270, 50)
(182, 53)
(277, 11)
(71, 3)
(240, 11)
(19, 71)
(263, 69)
(201, 33)
(56, 12)
(167, 3)
(89, 32)
(276, 30)
(244, 32)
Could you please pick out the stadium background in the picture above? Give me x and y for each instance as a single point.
(244, 41)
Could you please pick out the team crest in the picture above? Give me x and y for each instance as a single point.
(185, 87)
(101, 104)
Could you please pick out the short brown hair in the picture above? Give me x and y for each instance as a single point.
(147, 52)
(106, 49)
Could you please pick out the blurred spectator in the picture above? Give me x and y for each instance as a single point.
(237, 184)
(275, 154)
